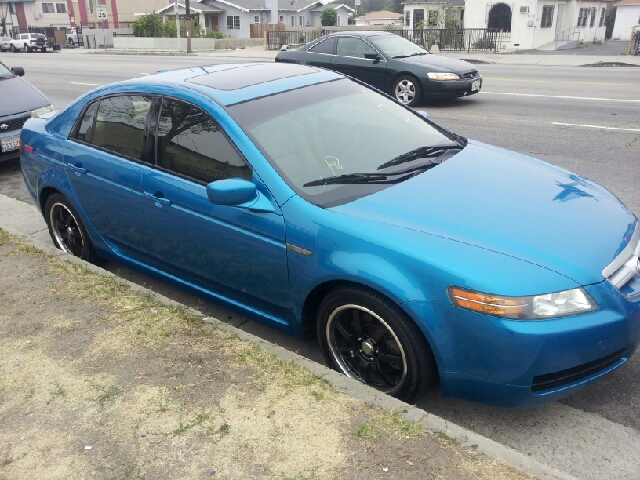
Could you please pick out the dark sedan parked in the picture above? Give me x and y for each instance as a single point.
(19, 101)
(390, 63)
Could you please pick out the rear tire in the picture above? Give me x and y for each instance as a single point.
(67, 230)
(369, 338)
(406, 89)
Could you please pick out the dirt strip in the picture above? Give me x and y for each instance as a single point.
(98, 381)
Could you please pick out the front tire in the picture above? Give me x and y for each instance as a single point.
(66, 229)
(406, 89)
(369, 338)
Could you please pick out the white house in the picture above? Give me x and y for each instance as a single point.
(531, 24)
(627, 16)
(234, 17)
(434, 14)
(382, 17)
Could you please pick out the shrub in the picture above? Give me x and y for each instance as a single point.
(329, 17)
(485, 43)
(213, 34)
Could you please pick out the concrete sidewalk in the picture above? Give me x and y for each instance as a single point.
(545, 59)
(24, 220)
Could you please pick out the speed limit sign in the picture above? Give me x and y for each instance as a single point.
(101, 11)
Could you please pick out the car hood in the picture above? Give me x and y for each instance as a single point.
(511, 204)
(18, 96)
(431, 60)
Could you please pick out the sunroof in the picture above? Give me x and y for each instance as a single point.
(246, 76)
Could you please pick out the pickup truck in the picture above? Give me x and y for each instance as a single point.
(30, 42)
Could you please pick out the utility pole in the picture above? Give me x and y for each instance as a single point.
(177, 23)
(188, 22)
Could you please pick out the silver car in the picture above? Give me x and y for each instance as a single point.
(5, 43)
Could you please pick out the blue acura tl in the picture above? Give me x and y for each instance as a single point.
(311, 203)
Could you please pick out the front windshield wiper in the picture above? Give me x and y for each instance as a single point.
(411, 55)
(356, 178)
(421, 152)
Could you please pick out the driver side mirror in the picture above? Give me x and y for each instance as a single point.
(372, 56)
(238, 192)
(18, 71)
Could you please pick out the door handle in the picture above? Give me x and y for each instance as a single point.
(158, 200)
(78, 169)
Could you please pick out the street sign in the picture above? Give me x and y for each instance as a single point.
(101, 11)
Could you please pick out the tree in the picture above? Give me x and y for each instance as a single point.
(329, 17)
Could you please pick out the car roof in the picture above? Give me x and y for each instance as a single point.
(360, 33)
(236, 83)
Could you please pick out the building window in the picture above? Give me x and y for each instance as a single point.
(256, 19)
(582, 17)
(547, 16)
(233, 22)
(601, 23)
(12, 8)
(593, 16)
(48, 8)
(301, 20)
(433, 18)
(61, 8)
(90, 6)
(407, 18)
(338, 20)
(293, 21)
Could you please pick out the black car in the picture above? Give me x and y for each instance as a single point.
(19, 101)
(390, 63)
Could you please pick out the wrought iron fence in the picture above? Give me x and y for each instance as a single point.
(451, 39)
(276, 39)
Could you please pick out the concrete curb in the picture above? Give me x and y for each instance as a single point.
(353, 388)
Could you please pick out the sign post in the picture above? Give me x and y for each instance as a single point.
(101, 11)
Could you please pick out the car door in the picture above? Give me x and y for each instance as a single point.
(350, 60)
(232, 251)
(104, 167)
(321, 53)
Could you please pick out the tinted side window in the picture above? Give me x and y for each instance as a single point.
(120, 124)
(326, 46)
(191, 143)
(85, 130)
(353, 47)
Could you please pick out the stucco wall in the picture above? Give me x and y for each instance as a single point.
(170, 44)
(626, 17)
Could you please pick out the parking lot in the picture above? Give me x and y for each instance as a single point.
(584, 119)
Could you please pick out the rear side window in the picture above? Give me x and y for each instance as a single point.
(85, 130)
(119, 125)
(326, 46)
(191, 143)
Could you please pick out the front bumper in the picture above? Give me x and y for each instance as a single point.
(457, 88)
(511, 363)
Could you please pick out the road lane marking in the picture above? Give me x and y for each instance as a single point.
(596, 126)
(569, 97)
(90, 84)
(562, 83)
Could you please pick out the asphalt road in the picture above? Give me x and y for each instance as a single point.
(584, 119)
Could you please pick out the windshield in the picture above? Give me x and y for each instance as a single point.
(396, 46)
(336, 129)
(5, 72)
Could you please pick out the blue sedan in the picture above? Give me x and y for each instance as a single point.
(307, 201)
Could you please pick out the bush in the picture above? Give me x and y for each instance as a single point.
(213, 34)
(148, 25)
(329, 17)
(485, 44)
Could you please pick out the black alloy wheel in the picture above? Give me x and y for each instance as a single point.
(367, 337)
(406, 89)
(66, 229)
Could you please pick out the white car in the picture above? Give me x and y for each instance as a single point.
(72, 35)
(30, 42)
(5, 43)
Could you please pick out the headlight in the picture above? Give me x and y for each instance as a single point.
(442, 76)
(41, 111)
(536, 307)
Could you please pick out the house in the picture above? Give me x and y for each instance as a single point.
(532, 24)
(234, 17)
(382, 17)
(433, 14)
(627, 16)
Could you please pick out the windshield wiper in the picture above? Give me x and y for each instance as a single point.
(350, 178)
(421, 152)
(418, 53)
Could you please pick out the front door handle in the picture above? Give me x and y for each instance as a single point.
(77, 168)
(158, 200)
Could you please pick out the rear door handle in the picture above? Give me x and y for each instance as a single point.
(160, 200)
